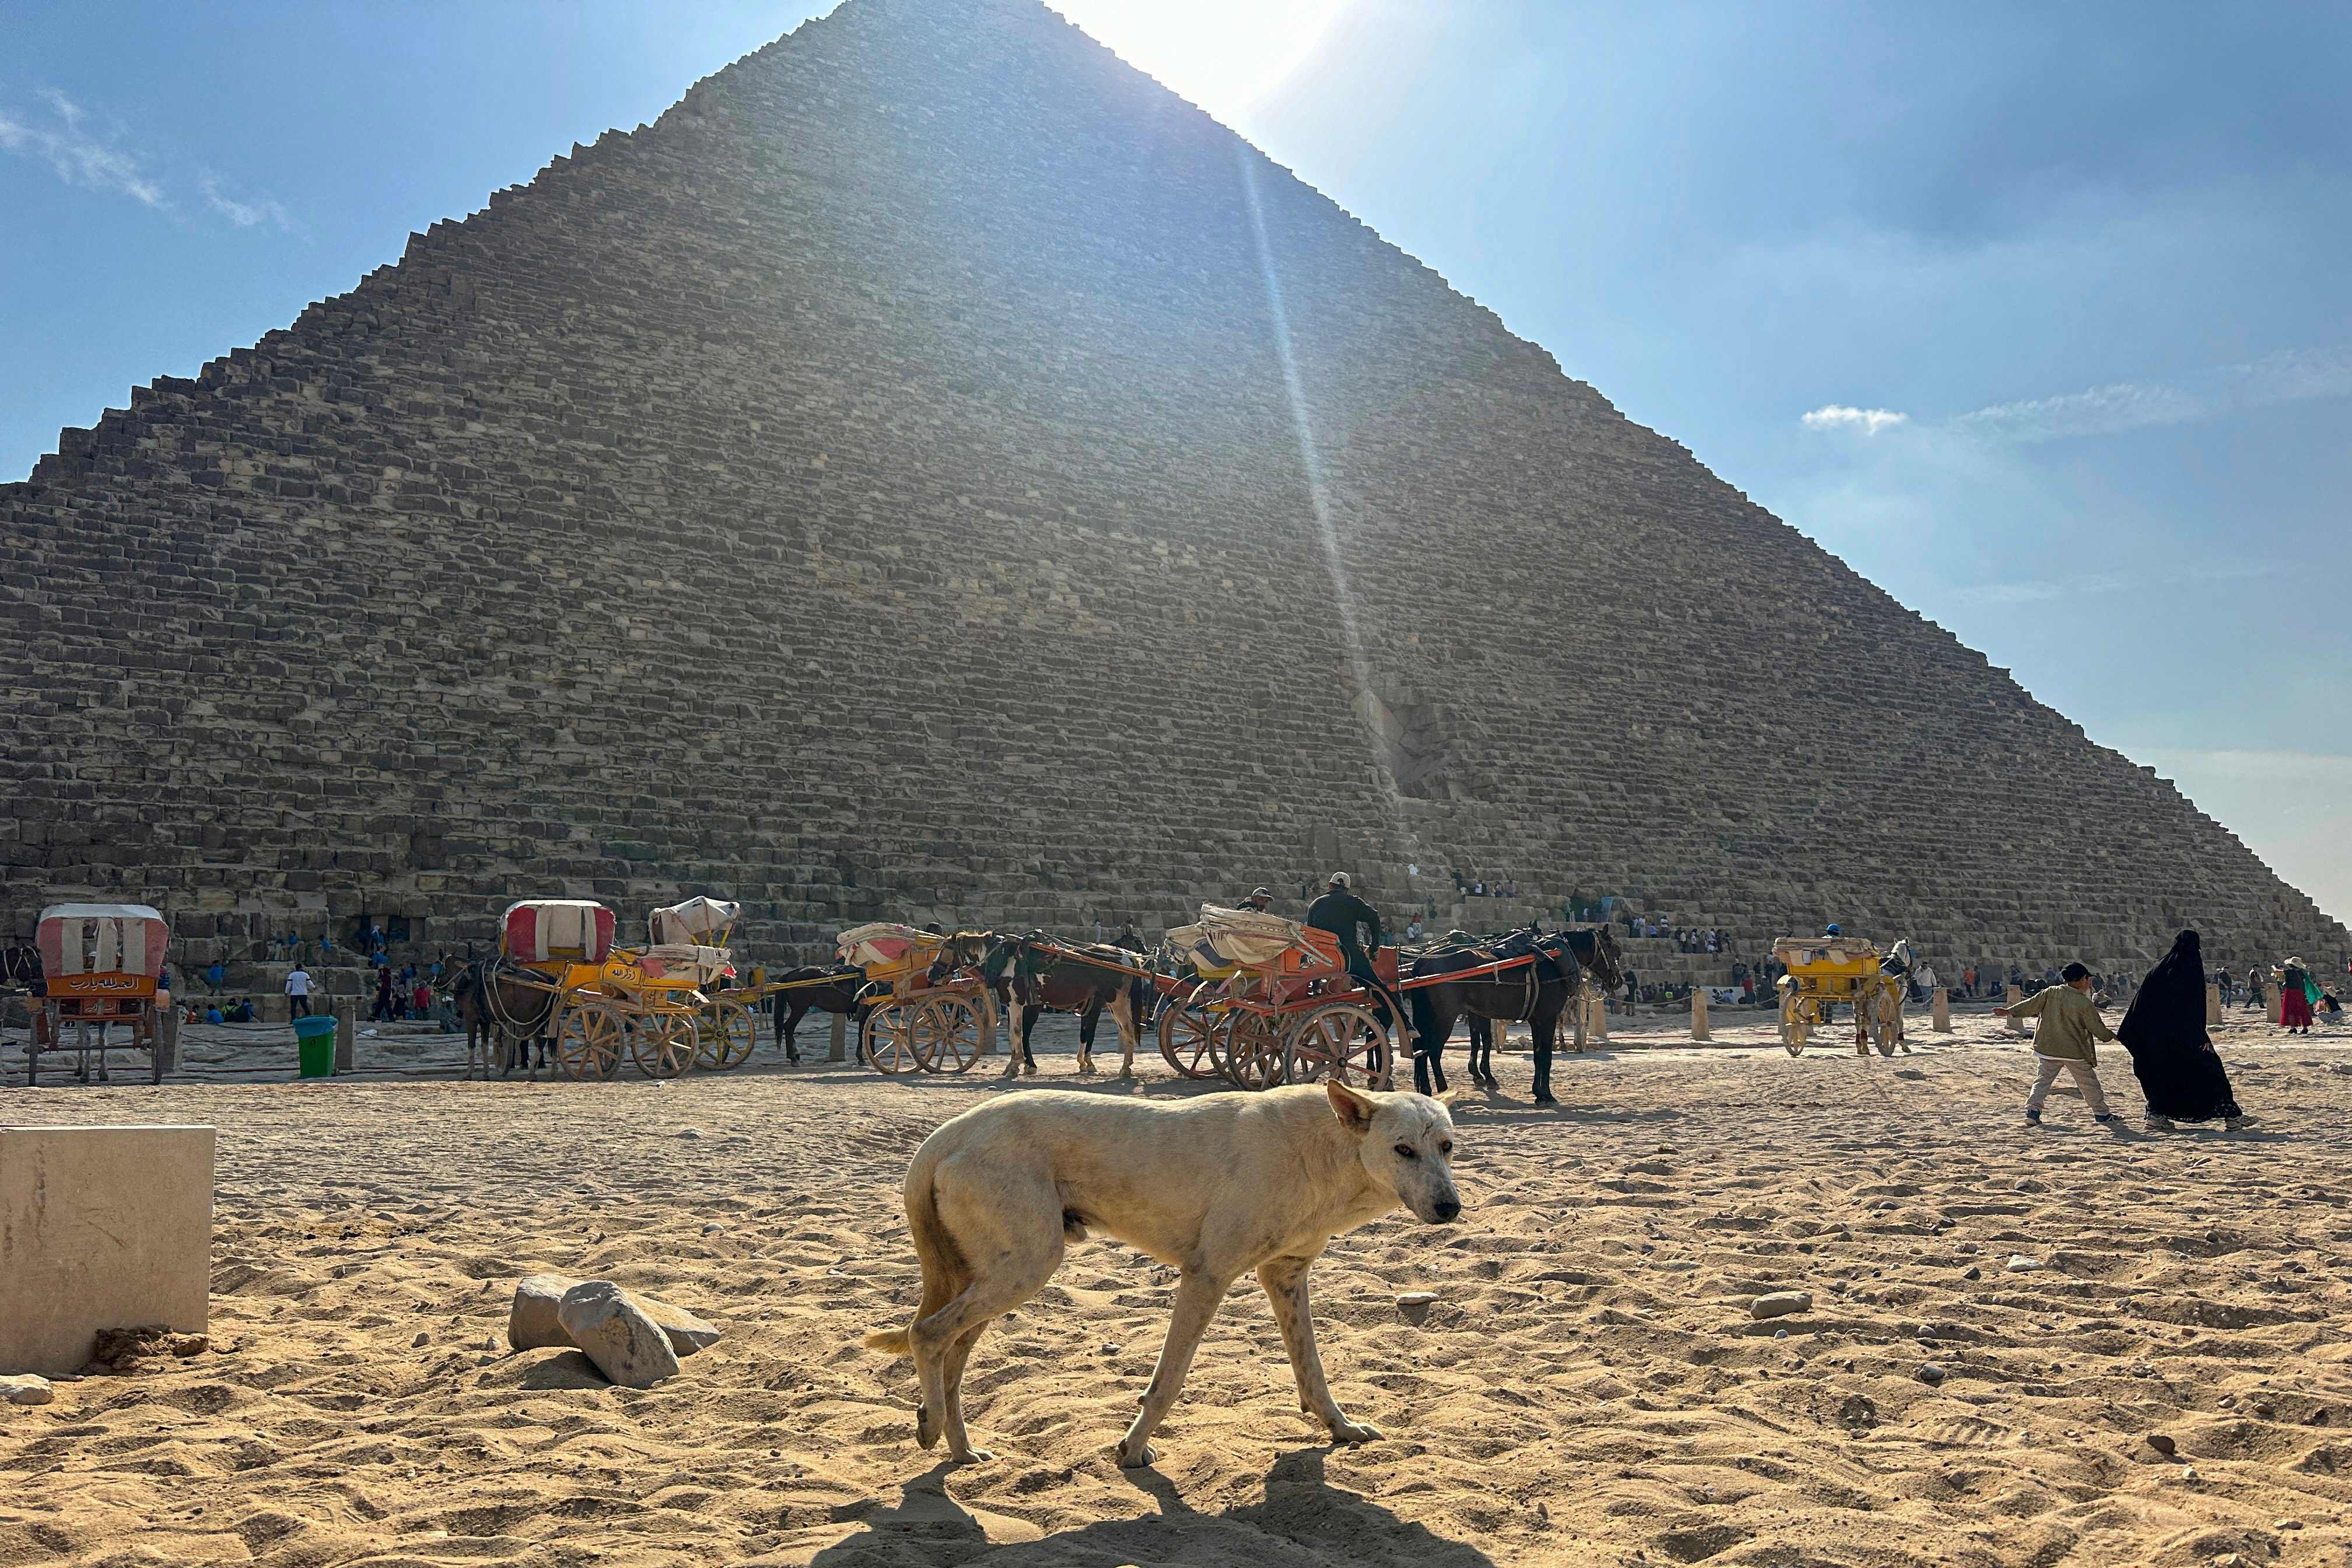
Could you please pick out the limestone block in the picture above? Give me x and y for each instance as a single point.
(613, 1330)
(2213, 1003)
(1939, 1017)
(2015, 996)
(1698, 1014)
(101, 1227)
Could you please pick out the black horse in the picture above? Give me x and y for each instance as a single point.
(1536, 993)
(815, 990)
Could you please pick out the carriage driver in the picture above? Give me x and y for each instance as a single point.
(1259, 898)
(1340, 912)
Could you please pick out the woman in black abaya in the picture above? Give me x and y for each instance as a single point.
(2174, 1059)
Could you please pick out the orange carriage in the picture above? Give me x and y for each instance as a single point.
(919, 1014)
(1261, 1001)
(102, 965)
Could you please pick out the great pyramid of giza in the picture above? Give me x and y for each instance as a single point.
(937, 473)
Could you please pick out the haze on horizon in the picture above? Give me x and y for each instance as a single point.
(2036, 317)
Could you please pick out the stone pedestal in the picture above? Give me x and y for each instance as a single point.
(101, 1227)
(1596, 1020)
(2277, 1000)
(1940, 1015)
(167, 1033)
(839, 1050)
(2213, 1003)
(347, 1034)
(2016, 1024)
(1698, 1014)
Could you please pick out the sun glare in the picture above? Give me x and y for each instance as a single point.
(1224, 55)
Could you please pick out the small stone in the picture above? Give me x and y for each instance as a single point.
(1411, 1299)
(2286, 1524)
(2188, 1473)
(420, 1342)
(2163, 1443)
(2020, 1263)
(713, 1228)
(614, 1332)
(27, 1389)
(1973, 1272)
(1779, 1304)
(1928, 1372)
(1780, 1333)
(689, 1132)
(1111, 1347)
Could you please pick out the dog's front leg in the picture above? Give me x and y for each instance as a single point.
(1197, 1296)
(1285, 1280)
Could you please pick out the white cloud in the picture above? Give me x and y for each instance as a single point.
(2293, 376)
(246, 213)
(75, 155)
(2205, 575)
(1869, 421)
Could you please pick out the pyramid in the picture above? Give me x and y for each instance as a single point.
(935, 472)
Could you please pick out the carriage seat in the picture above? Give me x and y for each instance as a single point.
(685, 962)
(690, 920)
(543, 930)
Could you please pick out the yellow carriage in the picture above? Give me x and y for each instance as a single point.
(1826, 971)
(606, 1000)
(919, 1012)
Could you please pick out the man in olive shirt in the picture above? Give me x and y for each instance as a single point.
(2065, 1040)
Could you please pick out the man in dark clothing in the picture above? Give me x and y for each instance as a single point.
(1340, 912)
(1258, 899)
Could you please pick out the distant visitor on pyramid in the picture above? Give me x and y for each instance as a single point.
(934, 473)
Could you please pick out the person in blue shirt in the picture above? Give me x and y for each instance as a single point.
(212, 1014)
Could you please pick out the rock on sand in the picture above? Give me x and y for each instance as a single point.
(27, 1389)
(1780, 1304)
(534, 1322)
(613, 1330)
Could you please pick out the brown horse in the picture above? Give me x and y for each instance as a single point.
(815, 990)
(1042, 974)
(505, 1009)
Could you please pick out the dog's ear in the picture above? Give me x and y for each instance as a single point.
(1352, 1107)
(1456, 1096)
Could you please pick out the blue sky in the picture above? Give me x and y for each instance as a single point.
(2040, 316)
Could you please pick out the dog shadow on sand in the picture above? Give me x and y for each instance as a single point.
(1303, 1519)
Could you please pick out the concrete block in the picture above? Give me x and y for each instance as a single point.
(2213, 1003)
(1940, 1018)
(101, 1227)
(1596, 1020)
(347, 1033)
(839, 1050)
(1698, 1014)
(2015, 996)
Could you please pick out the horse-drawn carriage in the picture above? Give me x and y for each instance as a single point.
(593, 1000)
(1826, 971)
(1260, 1000)
(100, 967)
(923, 1008)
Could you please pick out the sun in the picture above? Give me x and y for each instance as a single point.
(1224, 55)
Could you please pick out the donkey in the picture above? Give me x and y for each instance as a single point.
(1537, 992)
(504, 1014)
(1040, 973)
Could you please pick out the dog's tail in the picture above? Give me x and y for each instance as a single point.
(935, 1250)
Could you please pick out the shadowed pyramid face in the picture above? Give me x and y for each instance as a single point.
(883, 486)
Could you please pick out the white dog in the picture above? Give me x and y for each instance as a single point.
(1214, 1186)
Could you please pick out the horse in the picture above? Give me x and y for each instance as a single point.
(502, 1006)
(837, 994)
(1537, 992)
(1603, 962)
(19, 966)
(1041, 973)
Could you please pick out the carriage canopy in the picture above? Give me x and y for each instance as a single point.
(102, 939)
(1244, 937)
(689, 922)
(882, 943)
(538, 931)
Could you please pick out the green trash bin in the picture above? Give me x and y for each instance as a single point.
(314, 1045)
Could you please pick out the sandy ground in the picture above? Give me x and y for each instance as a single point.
(1588, 1388)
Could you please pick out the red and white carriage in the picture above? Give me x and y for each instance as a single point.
(101, 966)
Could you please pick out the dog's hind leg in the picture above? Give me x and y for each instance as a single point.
(1125, 1014)
(1285, 1280)
(1019, 1232)
(1197, 1297)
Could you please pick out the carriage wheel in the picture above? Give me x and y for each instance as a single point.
(728, 1034)
(1885, 1033)
(664, 1045)
(1794, 1025)
(947, 1035)
(1188, 1037)
(1342, 1041)
(1253, 1048)
(587, 1042)
(888, 1039)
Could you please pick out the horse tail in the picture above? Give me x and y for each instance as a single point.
(1422, 1020)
